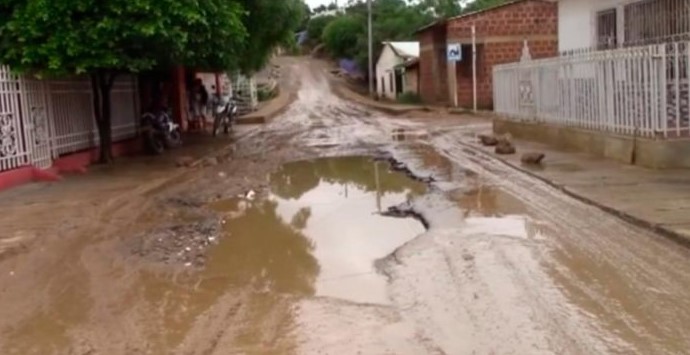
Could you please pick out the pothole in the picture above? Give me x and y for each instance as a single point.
(319, 231)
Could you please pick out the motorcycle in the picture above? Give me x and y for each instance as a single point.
(224, 113)
(160, 132)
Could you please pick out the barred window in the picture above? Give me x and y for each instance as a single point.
(607, 28)
(655, 21)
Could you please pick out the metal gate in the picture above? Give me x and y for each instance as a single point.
(41, 120)
(38, 129)
(13, 152)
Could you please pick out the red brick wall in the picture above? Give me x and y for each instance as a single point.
(433, 70)
(500, 33)
(524, 18)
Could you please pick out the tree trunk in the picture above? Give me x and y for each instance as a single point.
(101, 85)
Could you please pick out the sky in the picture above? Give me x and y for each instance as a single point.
(315, 3)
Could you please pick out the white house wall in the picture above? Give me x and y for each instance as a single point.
(384, 67)
(576, 22)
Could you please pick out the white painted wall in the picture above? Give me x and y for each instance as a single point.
(384, 67)
(577, 22)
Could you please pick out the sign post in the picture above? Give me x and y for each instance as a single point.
(454, 54)
(474, 68)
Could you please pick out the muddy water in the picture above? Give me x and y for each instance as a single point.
(319, 232)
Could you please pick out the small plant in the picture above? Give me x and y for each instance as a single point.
(409, 98)
(265, 94)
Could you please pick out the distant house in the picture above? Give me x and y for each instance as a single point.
(501, 35)
(391, 82)
(410, 70)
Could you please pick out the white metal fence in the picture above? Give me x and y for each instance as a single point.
(632, 91)
(41, 120)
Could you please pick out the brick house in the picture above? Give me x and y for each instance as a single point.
(501, 34)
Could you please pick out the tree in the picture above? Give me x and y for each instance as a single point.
(341, 36)
(441, 8)
(316, 26)
(478, 5)
(269, 23)
(103, 39)
(393, 20)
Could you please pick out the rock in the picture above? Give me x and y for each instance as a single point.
(185, 161)
(505, 148)
(532, 158)
(211, 161)
(488, 140)
(222, 175)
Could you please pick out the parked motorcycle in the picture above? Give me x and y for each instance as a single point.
(160, 132)
(224, 113)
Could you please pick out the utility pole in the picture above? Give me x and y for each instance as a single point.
(371, 51)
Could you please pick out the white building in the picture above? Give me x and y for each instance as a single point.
(606, 24)
(623, 69)
(389, 83)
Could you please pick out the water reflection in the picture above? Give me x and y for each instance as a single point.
(334, 203)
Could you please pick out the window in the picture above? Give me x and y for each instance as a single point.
(390, 81)
(607, 28)
(653, 21)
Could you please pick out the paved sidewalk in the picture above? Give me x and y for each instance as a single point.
(656, 199)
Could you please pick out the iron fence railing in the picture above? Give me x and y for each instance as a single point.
(631, 91)
(41, 120)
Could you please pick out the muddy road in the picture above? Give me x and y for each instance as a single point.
(333, 230)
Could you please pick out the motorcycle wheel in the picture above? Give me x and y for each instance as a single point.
(173, 140)
(154, 144)
(228, 123)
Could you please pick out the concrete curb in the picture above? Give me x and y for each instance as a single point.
(637, 221)
(277, 106)
(345, 93)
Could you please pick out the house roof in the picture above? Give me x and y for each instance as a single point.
(409, 63)
(404, 49)
(444, 21)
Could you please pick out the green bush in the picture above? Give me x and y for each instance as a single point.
(409, 98)
(265, 94)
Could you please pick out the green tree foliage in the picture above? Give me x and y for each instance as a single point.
(270, 23)
(478, 5)
(342, 35)
(103, 39)
(316, 26)
(393, 20)
(442, 8)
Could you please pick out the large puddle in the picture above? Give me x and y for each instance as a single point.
(320, 231)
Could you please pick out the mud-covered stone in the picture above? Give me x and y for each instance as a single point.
(532, 158)
(185, 161)
(505, 149)
(488, 140)
(504, 146)
(179, 245)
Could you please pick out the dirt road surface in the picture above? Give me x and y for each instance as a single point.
(285, 243)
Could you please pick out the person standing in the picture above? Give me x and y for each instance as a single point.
(198, 103)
